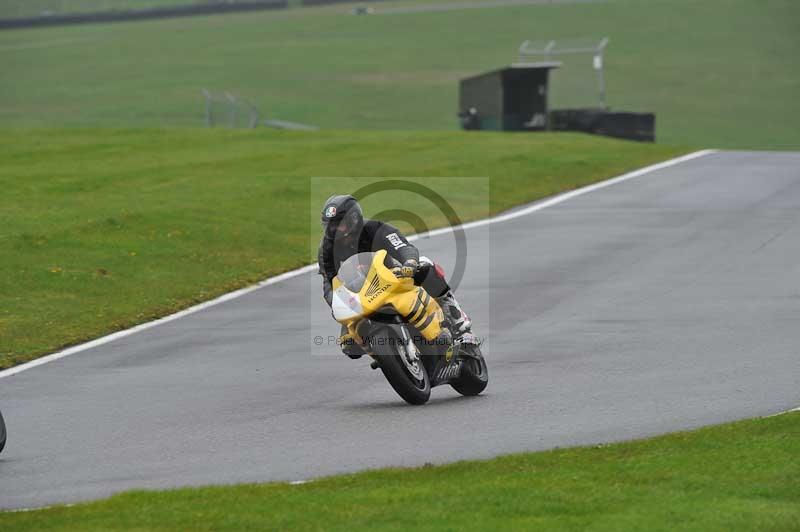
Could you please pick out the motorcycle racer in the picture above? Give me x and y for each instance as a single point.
(346, 233)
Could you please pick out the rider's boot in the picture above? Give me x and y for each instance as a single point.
(349, 346)
(459, 321)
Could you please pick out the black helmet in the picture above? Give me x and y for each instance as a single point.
(342, 214)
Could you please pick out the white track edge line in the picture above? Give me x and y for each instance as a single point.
(311, 267)
(37, 509)
(141, 327)
(555, 200)
(785, 412)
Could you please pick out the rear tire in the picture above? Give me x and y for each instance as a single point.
(410, 380)
(2, 433)
(474, 374)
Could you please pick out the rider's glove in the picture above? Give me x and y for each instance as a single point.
(411, 263)
(408, 269)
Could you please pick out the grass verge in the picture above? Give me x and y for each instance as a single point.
(738, 476)
(103, 229)
(717, 73)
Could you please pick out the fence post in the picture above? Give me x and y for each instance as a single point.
(209, 116)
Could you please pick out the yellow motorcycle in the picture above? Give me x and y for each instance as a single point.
(403, 329)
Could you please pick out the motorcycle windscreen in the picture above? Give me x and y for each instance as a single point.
(353, 272)
(345, 304)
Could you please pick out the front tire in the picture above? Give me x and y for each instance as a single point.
(402, 367)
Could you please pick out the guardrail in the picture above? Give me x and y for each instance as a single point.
(211, 8)
(142, 14)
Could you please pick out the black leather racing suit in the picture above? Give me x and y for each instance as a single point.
(374, 236)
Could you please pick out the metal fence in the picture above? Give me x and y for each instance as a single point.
(224, 109)
(580, 81)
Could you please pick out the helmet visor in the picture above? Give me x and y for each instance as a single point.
(343, 225)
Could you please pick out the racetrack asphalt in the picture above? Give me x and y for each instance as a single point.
(657, 304)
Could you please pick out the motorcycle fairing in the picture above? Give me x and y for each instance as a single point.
(381, 287)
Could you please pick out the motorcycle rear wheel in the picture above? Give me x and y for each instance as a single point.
(408, 377)
(474, 374)
(2, 433)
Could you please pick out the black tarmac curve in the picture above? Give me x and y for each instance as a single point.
(661, 303)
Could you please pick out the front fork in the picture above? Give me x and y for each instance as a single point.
(439, 356)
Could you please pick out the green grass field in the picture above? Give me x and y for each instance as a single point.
(137, 213)
(103, 229)
(719, 73)
(741, 476)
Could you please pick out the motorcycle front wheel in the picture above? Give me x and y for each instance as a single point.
(402, 367)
